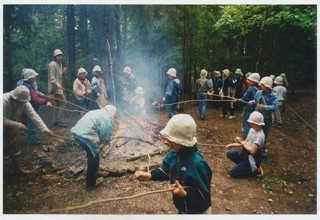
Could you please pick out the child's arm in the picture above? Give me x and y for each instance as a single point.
(142, 176)
(177, 189)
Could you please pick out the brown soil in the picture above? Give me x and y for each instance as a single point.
(289, 185)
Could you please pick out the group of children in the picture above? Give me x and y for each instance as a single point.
(184, 166)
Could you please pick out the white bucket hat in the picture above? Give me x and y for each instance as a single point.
(203, 73)
(256, 118)
(248, 74)
(57, 52)
(216, 73)
(112, 110)
(127, 70)
(272, 77)
(267, 81)
(255, 77)
(96, 68)
(226, 72)
(20, 94)
(82, 70)
(29, 73)
(283, 75)
(278, 80)
(238, 71)
(181, 129)
(139, 90)
(172, 72)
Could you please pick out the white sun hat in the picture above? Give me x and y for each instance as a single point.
(181, 129)
(256, 118)
(20, 94)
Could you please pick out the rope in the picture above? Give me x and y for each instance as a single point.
(62, 100)
(301, 118)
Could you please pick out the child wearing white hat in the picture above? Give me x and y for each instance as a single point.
(248, 159)
(280, 92)
(188, 172)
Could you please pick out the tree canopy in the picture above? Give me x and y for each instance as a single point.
(269, 39)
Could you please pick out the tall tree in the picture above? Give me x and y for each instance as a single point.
(71, 42)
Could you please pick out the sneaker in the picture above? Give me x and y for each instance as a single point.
(232, 117)
(202, 117)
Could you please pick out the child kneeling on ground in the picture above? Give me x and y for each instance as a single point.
(248, 159)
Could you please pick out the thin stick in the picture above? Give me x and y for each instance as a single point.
(213, 145)
(108, 200)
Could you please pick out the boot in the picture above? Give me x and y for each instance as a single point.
(18, 168)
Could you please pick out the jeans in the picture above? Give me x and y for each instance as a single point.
(32, 131)
(278, 113)
(171, 108)
(226, 106)
(202, 107)
(242, 168)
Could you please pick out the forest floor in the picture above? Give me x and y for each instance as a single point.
(289, 185)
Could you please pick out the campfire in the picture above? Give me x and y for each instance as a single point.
(133, 145)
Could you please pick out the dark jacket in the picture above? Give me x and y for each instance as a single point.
(190, 169)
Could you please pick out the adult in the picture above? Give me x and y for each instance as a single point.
(15, 105)
(36, 101)
(172, 92)
(55, 87)
(90, 131)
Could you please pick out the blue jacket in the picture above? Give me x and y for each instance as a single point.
(269, 99)
(92, 127)
(173, 90)
(248, 96)
(191, 169)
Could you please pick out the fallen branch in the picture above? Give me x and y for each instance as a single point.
(134, 138)
(139, 156)
(107, 200)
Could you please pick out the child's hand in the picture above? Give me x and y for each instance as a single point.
(178, 190)
(142, 176)
(261, 106)
(238, 140)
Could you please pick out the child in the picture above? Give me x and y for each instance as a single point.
(93, 128)
(248, 159)
(82, 90)
(185, 167)
(280, 92)
(138, 101)
(172, 92)
(252, 81)
(226, 91)
(203, 89)
(266, 102)
(98, 88)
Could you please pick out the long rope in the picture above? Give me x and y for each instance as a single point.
(301, 117)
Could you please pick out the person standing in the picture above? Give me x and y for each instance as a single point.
(226, 92)
(280, 92)
(184, 166)
(15, 105)
(237, 85)
(90, 131)
(248, 159)
(266, 102)
(55, 86)
(82, 90)
(99, 90)
(36, 101)
(172, 92)
(129, 86)
(252, 82)
(202, 89)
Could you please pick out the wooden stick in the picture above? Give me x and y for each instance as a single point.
(138, 156)
(134, 138)
(107, 200)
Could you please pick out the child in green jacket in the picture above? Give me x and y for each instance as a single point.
(185, 167)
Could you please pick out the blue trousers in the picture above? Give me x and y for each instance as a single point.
(202, 107)
(242, 168)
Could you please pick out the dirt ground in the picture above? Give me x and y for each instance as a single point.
(289, 185)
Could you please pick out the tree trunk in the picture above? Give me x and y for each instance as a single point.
(83, 36)
(71, 42)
